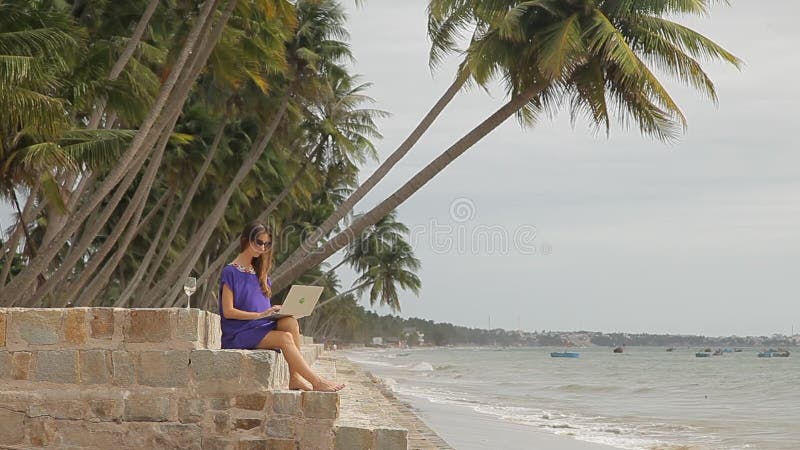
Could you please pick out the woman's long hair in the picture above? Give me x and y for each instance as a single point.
(263, 263)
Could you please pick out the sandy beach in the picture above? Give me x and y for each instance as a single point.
(433, 425)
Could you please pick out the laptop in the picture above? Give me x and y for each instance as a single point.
(300, 302)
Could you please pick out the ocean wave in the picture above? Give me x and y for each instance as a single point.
(581, 388)
(422, 367)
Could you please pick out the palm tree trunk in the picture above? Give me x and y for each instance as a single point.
(130, 161)
(187, 201)
(193, 248)
(94, 228)
(342, 294)
(101, 280)
(131, 286)
(283, 278)
(220, 261)
(328, 272)
(345, 207)
(11, 245)
(122, 61)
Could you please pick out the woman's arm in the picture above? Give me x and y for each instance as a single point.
(229, 312)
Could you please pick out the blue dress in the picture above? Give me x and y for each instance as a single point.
(247, 296)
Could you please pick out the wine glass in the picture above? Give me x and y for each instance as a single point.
(189, 286)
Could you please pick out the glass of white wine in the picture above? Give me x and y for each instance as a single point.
(189, 287)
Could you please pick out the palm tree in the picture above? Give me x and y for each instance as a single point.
(591, 55)
(161, 117)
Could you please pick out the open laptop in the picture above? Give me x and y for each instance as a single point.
(300, 302)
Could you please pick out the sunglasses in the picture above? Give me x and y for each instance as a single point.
(264, 244)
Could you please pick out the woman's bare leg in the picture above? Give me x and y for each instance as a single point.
(284, 341)
(290, 325)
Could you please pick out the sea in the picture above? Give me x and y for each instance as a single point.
(644, 398)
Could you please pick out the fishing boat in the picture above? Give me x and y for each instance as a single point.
(618, 349)
(772, 353)
(564, 354)
(702, 354)
(671, 349)
(717, 352)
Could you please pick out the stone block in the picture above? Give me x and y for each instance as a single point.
(18, 400)
(12, 432)
(76, 434)
(222, 423)
(252, 444)
(349, 438)
(3, 322)
(175, 436)
(146, 408)
(262, 369)
(122, 368)
(286, 402)
(218, 443)
(247, 424)
(321, 405)
(102, 323)
(281, 427)
(95, 366)
(218, 403)
(6, 366)
(315, 434)
(105, 409)
(190, 410)
(59, 409)
(391, 438)
(253, 402)
(148, 325)
(191, 326)
(41, 431)
(35, 326)
(213, 332)
(163, 368)
(21, 365)
(216, 366)
(281, 444)
(57, 366)
(75, 328)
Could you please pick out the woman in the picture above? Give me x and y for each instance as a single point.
(245, 289)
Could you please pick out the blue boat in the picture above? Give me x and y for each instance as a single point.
(702, 354)
(772, 353)
(564, 354)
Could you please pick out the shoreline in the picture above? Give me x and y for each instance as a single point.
(430, 425)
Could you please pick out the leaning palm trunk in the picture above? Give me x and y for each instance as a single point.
(216, 266)
(187, 201)
(94, 228)
(122, 61)
(9, 249)
(345, 207)
(56, 220)
(193, 248)
(130, 218)
(101, 280)
(131, 160)
(283, 277)
(342, 294)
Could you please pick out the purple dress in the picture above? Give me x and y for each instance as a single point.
(247, 296)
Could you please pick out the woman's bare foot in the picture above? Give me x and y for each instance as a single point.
(298, 383)
(324, 385)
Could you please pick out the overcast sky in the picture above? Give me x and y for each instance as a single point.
(698, 237)
(630, 234)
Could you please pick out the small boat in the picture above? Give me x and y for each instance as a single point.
(772, 353)
(564, 354)
(717, 352)
(618, 349)
(727, 350)
(707, 350)
(671, 349)
(702, 354)
(737, 350)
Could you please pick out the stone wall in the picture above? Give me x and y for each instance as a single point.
(148, 378)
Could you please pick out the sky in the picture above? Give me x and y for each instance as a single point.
(606, 233)
(559, 228)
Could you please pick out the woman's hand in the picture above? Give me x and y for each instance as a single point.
(270, 311)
